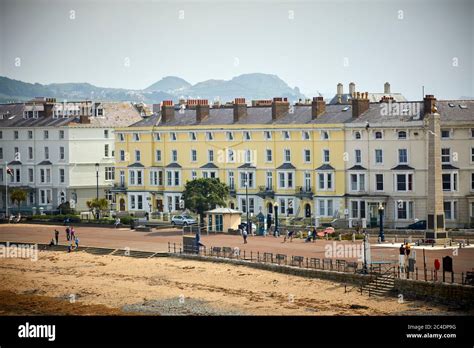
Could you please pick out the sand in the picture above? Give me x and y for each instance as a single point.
(61, 283)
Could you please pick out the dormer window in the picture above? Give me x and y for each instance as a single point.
(157, 136)
(136, 136)
(402, 135)
(230, 136)
(121, 137)
(286, 135)
(192, 136)
(357, 135)
(99, 112)
(247, 136)
(324, 135)
(268, 135)
(306, 135)
(445, 134)
(173, 136)
(378, 135)
(209, 136)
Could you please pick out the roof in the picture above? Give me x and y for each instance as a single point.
(223, 211)
(286, 166)
(247, 165)
(173, 165)
(449, 166)
(325, 167)
(209, 166)
(45, 163)
(15, 163)
(403, 167)
(373, 98)
(357, 167)
(136, 165)
(116, 114)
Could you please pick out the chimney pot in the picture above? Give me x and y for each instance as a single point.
(352, 88)
(240, 109)
(340, 89)
(279, 107)
(359, 105)
(318, 107)
(386, 88)
(429, 104)
(167, 111)
(202, 109)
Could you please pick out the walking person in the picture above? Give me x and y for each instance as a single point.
(314, 234)
(68, 231)
(73, 232)
(56, 236)
(402, 259)
(76, 240)
(245, 234)
(117, 222)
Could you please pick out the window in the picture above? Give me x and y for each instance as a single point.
(15, 135)
(357, 156)
(402, 156)
(404, 182)
(230, 136)
(231, 180)
(46, 152)
(243, 205)
(121, 137)
(106, 150)
(357, 135)
(192, 136)
(248, 156)
(46, 134)
(404, 210)
(30, 134)
(136, 137)
(106, 133)
(109, 173)
(122, 155)
(193, 175)
(45, 197)
(157, 136)
(378, 156)
(174, 156)
(450, 181)
(450, 210)
(472, 154)
(286, 135)
(247, 177)
(193, 155)
(158, 156)
(1, 153)
(30, 153)
(122, 178)
(378, 135)
(247, 136)
(61, 134)
(378, 182)
(325, 181)
(61, 176)
(307, 181)
(446, 155)
(269, 181)
(173, 136)
(325, 207)
(326, 156)
(472, 181)
(445, 133)
(209, 136)
(31, 175)
(472, 133)
(210, 155)
(61, 153)
(267, 135)
(1, 174)
(324, 135)
(306, 135)
(156, 178)
(358, 182)
(307, 156)
(287, 155)
(230, 156)
(138, 156)
(357, 209)
(269, 155)
(285, 180)
(402, 135)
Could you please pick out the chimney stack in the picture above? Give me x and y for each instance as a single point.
(167, 111)
(240, 109)
(386, 88)
(48, 106)
(318, 107)
(429, 103)
(83, 119)
(202, 109)
(340, 89)
(280, 108)
(352, 88)
(360, 104)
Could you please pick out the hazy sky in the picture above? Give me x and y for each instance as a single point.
(309, 44)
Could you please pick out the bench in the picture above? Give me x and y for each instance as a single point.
(315, 263)
(268, 257)
(297, 260)
(341, 264)
(227, 252)
(352, 266)
(327, 264)
(216, 251)
(469, 280)
(281, 258)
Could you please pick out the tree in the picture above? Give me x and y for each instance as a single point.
(101, 205)
(17, 196)
(204, 194)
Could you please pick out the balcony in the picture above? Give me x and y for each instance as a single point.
(266, 192)
(303, 192)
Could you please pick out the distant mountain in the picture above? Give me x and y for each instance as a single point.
(249, 86)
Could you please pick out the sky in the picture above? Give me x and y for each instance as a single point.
(309, 44)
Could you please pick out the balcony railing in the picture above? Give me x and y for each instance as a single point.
(266, 191)
(304, 191)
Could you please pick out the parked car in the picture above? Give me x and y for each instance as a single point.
(183, 220)
(419, 225)
(243, 226)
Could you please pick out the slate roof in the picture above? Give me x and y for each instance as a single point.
(173, 165)
(403, 167)
(286, 166)
(209, 166)
(357, 167)
(45, 163)
(449, 166)
(325, 167)
(247, 165)
(14, 163)
(136, 165)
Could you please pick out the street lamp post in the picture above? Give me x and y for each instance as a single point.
(247, 201)
(97, 188)
(275, 208)
(381, 233)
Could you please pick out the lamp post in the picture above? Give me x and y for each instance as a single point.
(381, 233)
(97, 188)
(275, 208)
(247, 202)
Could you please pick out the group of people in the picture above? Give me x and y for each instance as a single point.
(15, 219)
(71, 237)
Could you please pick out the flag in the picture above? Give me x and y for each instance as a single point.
(10, 171)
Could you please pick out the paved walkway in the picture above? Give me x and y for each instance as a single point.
(158, 242)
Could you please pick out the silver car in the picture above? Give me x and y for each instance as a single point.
(183, 220)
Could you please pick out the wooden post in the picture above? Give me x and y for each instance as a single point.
(251, 256)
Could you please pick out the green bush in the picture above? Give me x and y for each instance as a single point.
(126, 220)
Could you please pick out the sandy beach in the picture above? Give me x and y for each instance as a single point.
(83, 284)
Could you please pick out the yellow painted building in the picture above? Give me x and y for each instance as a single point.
(292, 155)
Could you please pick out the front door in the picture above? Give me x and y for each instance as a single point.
(307, 210)
(269, 208)
(122, 204)
(159, 205)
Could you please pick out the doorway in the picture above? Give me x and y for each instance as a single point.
(307, 210)
(122, 204)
